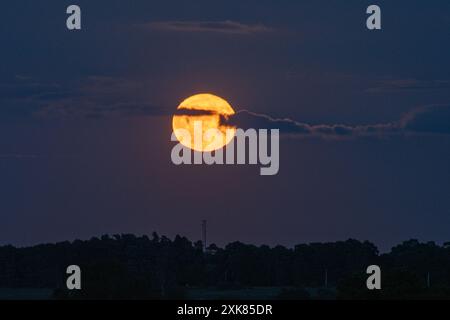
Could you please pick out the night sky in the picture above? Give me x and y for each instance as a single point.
(85, 120)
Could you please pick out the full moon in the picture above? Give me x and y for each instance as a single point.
(213, 107)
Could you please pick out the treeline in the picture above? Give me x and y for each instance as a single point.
(129, 267)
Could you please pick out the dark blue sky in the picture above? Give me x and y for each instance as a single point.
(85, 119)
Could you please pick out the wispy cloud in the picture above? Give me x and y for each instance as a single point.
(94, 97)
(430, 119)
(224, 27)
(399, 85)
(19, 156)
(99, 96)
(434, 119)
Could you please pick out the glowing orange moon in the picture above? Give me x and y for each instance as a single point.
(214, 107)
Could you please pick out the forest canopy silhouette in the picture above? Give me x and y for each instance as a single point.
(132, 267)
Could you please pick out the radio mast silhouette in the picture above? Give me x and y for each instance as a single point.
(204, 235)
